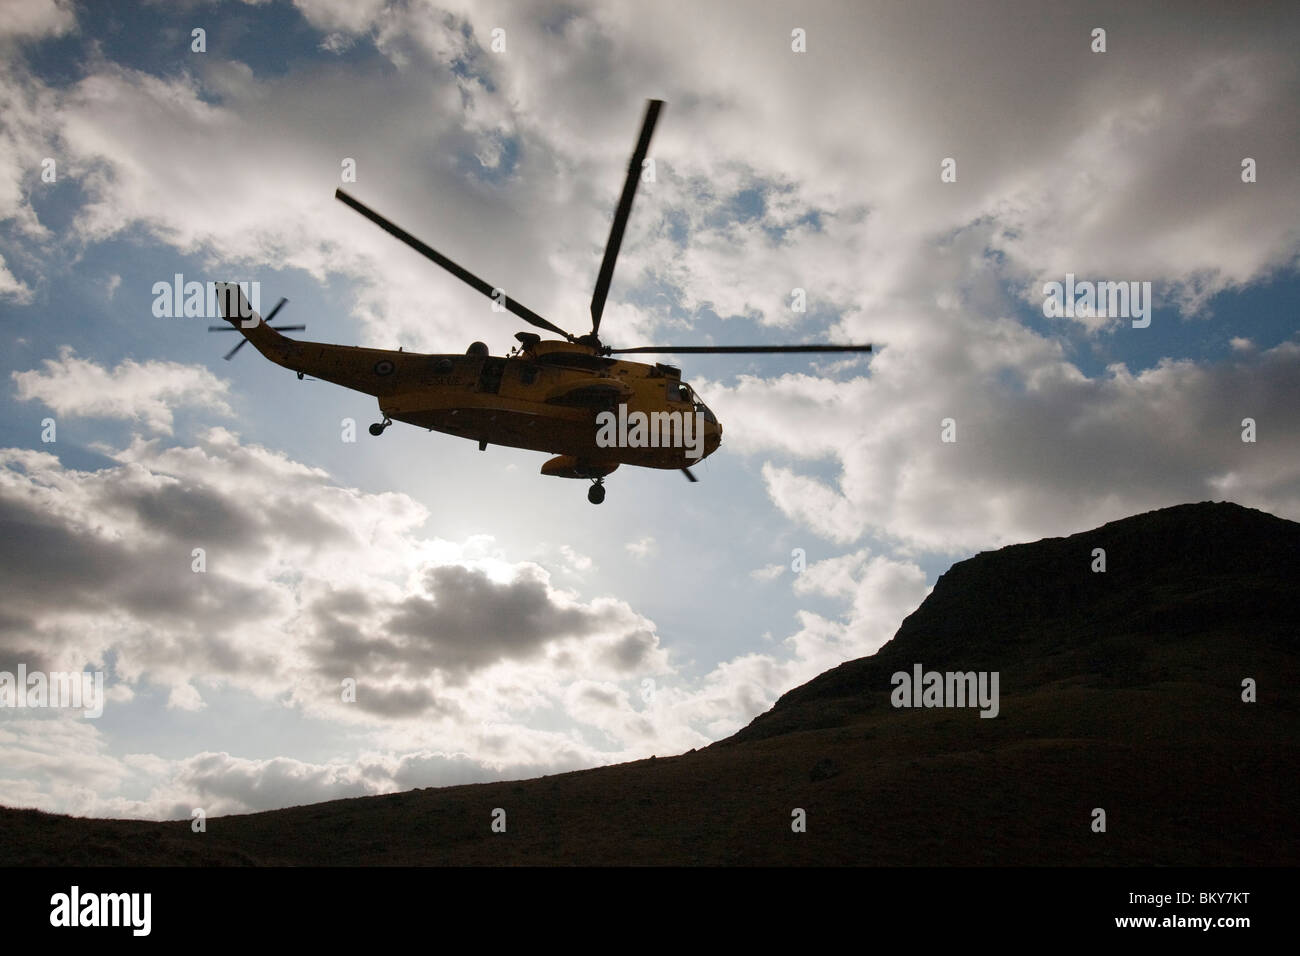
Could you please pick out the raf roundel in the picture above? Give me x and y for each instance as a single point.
(383, 367)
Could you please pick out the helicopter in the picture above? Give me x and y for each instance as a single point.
(565, 396)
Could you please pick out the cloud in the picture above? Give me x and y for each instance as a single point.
(755, 195)
(144, 392)
(194, 191)
(11, 288)
(349, 16)
(336, 43)
(222, 783)
(68, 755)
(1040, 448)
(458, 620)
(28, 137)
(32, 19)
(641, 548)
(218, 783)
(300, 577)
(575, 561)
(454, 649)
(76, 756)
(881, 591)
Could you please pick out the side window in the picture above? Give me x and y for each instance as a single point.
(677, 392)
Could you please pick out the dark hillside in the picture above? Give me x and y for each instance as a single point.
(1120, 691)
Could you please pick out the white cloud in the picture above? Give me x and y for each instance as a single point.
(1047, 452)
(28, 137)
(575, 561)
(144, 392)
(642, 547)
(337, 43)
(32, 19)
(12, 288)
(184, 697)
(352, 16)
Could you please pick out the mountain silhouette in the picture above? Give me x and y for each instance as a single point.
(1159, 691)
(1185, 588)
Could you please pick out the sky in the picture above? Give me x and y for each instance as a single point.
(921, 171)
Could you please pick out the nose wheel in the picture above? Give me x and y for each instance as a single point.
(596, 493)
(377, 428)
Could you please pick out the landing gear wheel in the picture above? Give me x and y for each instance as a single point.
(596, 493)
(377, 428)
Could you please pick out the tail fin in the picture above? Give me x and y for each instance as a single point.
(266, 338)
(235, 307)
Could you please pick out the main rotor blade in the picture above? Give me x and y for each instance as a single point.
(738, 349)
(525, 313)
(278, 328)
(621, 214)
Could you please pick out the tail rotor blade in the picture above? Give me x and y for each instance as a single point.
(239, 345)
(278, 306)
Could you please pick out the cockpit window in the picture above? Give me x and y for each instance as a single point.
(681, 392)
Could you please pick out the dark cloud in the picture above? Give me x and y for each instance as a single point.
(88, 557)
(408, 701)
(185, 512)
(115, 546)
(468, 621)
(631, 650)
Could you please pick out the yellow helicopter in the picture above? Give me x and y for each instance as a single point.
(567, 397)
